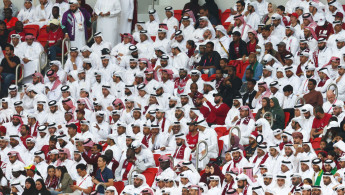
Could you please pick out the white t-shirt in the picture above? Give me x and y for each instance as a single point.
(84, 182)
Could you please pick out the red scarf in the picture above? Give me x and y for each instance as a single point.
(56, 84)
(228, 186)
(180, 84)
(237, 161)
(128, 166)
(245, 190)
(323, 82)
(316, 57)
(179, 152)
(34, 133)
(146, 139)
(263, 160)
(163, 124)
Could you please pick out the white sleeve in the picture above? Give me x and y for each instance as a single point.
(116, 9)
(131, 9)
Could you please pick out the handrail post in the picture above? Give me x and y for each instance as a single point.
(101, 184)
(197, 152)
(271, 117)
(230, 132)
(64, 41)
(130, 176)
(335, 89)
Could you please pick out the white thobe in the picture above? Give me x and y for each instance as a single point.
(180, 61)
(127, 10)
(43, 14)
(292, 44)
(152, 27)
(108, 25)
(222, 46)
(171, 23)
(32, 53)
(27, 14)
(63, 7)
(79, 37)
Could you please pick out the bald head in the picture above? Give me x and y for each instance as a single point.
(330, 96)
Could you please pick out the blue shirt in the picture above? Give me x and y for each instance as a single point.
(104, 178)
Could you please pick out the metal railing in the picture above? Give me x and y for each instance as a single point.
(299, 99)
(18, 80)
(64, 53)
(130, 175)
(43, 61)
(197, 153)
(100, 184)
(269, 115)
(238, 132)
(335, 89)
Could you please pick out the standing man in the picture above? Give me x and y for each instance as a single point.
(8, 69)
(126, 17)
(74, 24)
(108, 12)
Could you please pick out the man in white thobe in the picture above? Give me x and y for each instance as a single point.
(30, 57)
(108, 12)
(126, 17)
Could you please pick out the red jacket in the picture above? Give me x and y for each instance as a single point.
(220, 112)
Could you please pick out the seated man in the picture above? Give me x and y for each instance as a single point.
(8, 69)
(55, 36)
(9, 19)
(30, 56)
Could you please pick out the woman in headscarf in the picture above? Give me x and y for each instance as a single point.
(278, 114)
(51, 180)
(193, 5)
(212, 9)
(266, 19)
(211, 169)
(265, 102)
(41, 188)
(263, 91)
(30, 187)
(65, 181)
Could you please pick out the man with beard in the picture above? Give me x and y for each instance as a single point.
(340, 82)
(180, 117)
(243, 186)
(313, 97)
(182, 152)
(76, 29)
(310, 74)
(181, 81)
(220, 110)
(14, 160)
(13, 127)
(323, 54)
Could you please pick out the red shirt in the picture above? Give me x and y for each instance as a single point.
(192, 140)
(220, 112)
(251, 47)
(54, 37)
(319, 124)
(324, 31)
(11, 23)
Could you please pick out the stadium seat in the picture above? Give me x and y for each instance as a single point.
(43, 36)
(33, 29)
(150, 175)
(119, 185)
(153, 38)
(178, 14)
(156, 157)
(287, 117)
(225, 16)
(221, 131)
